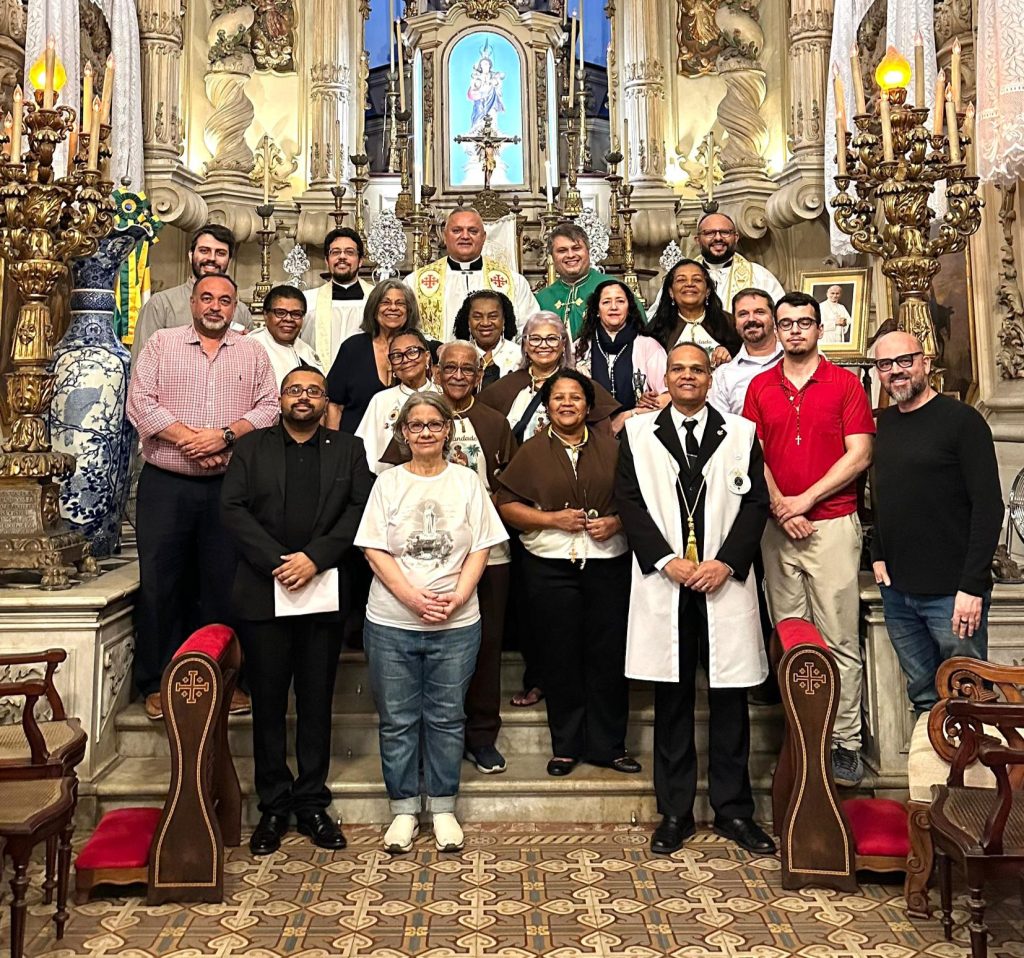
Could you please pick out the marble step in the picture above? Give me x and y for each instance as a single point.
(525, 792)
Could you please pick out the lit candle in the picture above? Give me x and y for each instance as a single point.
(858, 81)
(887, 150)
(8, 129)
(266, 169)
(18, 110)
(840, 143)
(337, 152)
(954, 73)
(625, 151)
(108, 90)
(93, 161)
(953, 133)
(969, 135)
(938, 106)
(50, 66)
(87, 94)
(572, 62)
(401, 67)
(548, 184)
(919, 70)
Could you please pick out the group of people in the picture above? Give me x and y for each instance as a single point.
(450, 462)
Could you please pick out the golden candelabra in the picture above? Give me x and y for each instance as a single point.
(419, 222)
(583, 153)
(572, 205)
(404, 200)
(626, 211)
(361, 165)
(424, 251)
(338, 192)
(391, 125)
(895, 162)
(265, 237)
(46, 221)
(549, 218)
(612, 159)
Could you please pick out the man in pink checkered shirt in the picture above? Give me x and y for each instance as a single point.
(194, 390)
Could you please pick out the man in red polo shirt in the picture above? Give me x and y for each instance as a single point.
(814, 422)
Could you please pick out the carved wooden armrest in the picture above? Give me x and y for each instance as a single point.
(52, 658)
(31, 689)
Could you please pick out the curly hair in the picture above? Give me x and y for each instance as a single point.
(460, 330)
(717, 321)
(585, 383)
(592, 319)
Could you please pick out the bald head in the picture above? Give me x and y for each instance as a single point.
(897, 343)
(903, 370)
(464, 236)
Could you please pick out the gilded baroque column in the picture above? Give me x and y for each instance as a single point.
(12, 49)
(330, 76)
(801, 195)
(170, 186)
(643, 91)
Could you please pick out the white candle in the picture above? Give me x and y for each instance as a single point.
(858, 80)
(266, 170)
(969, 134)
(18, 110)
(108, 90)
(887, 150)
(428, 150)
(625, 151)
(552, 110)
(93, 162)
(919, 70)
(711, 166)
(418, 143)
(391, 51)
(954, 74)
(8, 129)
(953, 132)
(401, 67)
(841, 144)
(50, 65)
(550, 187)
(87, 94)
(337, 152)
(838, 90)
(572, 62)
(939, 105)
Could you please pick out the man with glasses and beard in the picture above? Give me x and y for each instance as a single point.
(210, 252)
(285, 542)
(938, 509)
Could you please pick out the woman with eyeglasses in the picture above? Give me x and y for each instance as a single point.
(689, 311)
(427, 531)
(410, 360)
(559, 492)
(362, 368)
(617, 352)
(546, 350)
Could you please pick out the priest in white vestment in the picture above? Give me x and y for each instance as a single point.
(334, 311)
(284, 309)
(442, 286)
(836, 322)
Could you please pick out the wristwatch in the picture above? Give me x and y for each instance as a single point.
(229, 436)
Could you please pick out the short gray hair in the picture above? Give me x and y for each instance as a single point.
(437, 402)
(547, 318)
(464, 343)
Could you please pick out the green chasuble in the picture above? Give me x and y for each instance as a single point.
(570, 302)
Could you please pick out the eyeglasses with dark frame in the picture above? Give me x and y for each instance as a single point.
(804, 322)
(416, 427)
(295, 390)
(536, 340)
(279, 313)
(409, 355)
(450, 369)
(904, 362)
(711, 234)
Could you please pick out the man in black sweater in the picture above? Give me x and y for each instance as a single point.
(938, 509)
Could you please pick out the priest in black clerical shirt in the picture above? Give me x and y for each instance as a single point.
(291, 500)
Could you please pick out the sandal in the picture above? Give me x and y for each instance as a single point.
(527, 698)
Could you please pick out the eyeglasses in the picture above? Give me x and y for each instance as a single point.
(408, 356)
(450, 369)
(550, 341)
(295, 314)
(711, 234)
(435, 426)
(804, 322)
(904, 362)
(295, 390)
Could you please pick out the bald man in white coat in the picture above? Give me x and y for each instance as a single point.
(693, 501)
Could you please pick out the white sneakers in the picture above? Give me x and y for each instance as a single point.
(403, 830)
(447, 832)
(401, 834)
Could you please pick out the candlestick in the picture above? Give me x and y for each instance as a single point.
(50, 66)
(93, 162)
(919, 70)
(18, 110)
(841, 144)
(954, 73)
(108, 90)
(572, 62)
(969, 137)
(401, 66)
(858, 81)
(883, 104)
(953, 132)
(938, 106)
(87, 95)
(625, 152)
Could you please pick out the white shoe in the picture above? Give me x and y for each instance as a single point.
(401, 834)
(447, 832)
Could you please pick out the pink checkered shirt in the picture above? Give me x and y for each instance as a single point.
(173, 380)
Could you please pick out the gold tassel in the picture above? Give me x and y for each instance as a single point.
(691, 546)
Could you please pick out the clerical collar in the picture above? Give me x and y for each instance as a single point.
(724, 265)
(353, 290)
(466, 267)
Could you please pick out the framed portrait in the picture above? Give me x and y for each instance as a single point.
(843, 297)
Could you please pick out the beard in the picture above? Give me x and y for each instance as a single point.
(214, 325)
(754, 335)
(717, 260)
(345, 275)
(908, 389)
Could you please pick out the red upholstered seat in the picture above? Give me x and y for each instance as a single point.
(211, 640)
(121, 840)
(794, 632)
(879, 827)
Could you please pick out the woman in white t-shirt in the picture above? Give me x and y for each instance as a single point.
(427, 531)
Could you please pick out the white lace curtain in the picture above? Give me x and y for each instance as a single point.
(1000, 129)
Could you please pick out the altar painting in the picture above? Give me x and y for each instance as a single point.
(485, 80)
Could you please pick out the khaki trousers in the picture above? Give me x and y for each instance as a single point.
(816, 579)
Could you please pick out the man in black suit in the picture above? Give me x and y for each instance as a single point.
(693, 500)
(292, 499)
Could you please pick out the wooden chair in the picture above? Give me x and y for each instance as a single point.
(179, 850)
(824, 841)
(981, 828)
(37, 748)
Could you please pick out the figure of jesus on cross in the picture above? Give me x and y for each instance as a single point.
(487, 142)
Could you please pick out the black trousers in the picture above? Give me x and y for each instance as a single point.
(302, 650)
(518, 617)
(186, 567)
(675, 757)
(483, 699)
(579, 621)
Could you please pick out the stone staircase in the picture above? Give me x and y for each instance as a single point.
(140, 772)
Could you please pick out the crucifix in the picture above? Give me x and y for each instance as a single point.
(487, 143)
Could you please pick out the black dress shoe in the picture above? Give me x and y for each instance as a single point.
(669, 836)
(561, 766)
(322, 829)
(746, 833)
(624, 763)
(266, 838)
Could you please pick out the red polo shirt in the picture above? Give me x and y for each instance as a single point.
(831, 406)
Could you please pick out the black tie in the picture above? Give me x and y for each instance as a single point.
(692, 448)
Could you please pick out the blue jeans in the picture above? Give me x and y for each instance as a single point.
(419, 682)
(920, 629)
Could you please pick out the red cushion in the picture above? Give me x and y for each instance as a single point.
(121, 840)
(211, 640)
(793, 632)
(879, 826)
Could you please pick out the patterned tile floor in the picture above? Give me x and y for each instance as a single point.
(577, 891)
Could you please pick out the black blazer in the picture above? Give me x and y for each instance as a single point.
(252, 507)
(645, 539)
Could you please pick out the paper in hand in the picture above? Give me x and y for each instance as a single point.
(320, 594)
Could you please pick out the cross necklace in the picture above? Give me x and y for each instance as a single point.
(796, 399)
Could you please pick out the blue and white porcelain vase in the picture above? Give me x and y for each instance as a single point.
(88, 413)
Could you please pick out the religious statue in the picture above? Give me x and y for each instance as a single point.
(698, 37)
(272, 34)
(485, 90)
(486, 145)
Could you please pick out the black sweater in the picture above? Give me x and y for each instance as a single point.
(938, 505)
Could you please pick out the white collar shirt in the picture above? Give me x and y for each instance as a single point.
(730, 380)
